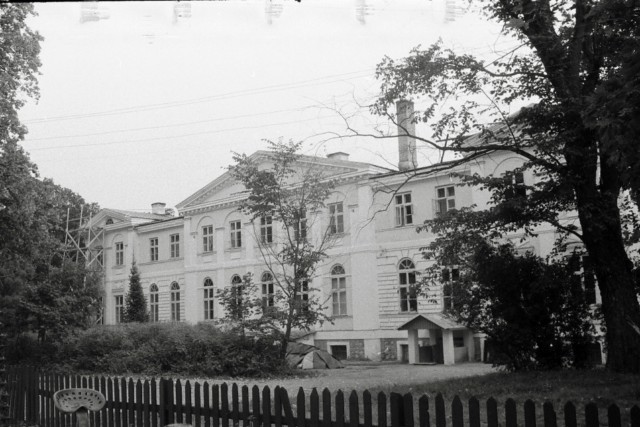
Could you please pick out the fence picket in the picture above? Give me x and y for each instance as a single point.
(613, 415)
(511, 414)
(529, 413)
(354, 410)
(591, 415)
(224, 407)
(423, 411)
(215, 405)
(255, 403)
(326, 408)
(206, 406)
(550, 419)
(197, 413)
(235, 405)
(474, 412)
(178, 401)
(162, 403)
(245, 406)
(170, 402)
(492, 412)
(456, 412)
(153, 391)
(441, 417)
(286, 405)
(131, 409)
(187, 403)
(146, 400)
(382, 409)
(314, 407)
(570, 419)
(138, 404)
(339, 408)
(266, 406)
(277, 407)
(367, 408)
(408, 409)
(301, 407)
(123, 403)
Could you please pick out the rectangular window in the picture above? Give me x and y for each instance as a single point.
(119, 308)
(236, 234)
(207, 238)
(404, 210)
(301, 228)
(175, 245)
(515, 185)
(445, 199)
(266, 230)
(449, 277)
(208, 303)
(119, 253)
(408, 295)
(268, 296)
(339, 290)
(175, 305)
(339, 351)
(336, 221)
(584, 278)
(153, 246)
(303, 296)
(154, 307)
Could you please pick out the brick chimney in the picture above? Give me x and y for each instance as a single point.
(158, 208)
(406, 144)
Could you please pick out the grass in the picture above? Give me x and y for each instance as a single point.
(558, 387)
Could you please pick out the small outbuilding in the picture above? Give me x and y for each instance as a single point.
(436, 338)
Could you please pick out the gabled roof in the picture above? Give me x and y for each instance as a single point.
(431, 321)
(338, 167)
(125, 216)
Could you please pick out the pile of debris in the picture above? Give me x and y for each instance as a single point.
(304, 356)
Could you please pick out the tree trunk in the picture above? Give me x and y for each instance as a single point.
(601, 227)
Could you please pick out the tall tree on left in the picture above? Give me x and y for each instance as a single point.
(38, 293)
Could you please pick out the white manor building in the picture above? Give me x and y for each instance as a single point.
(183, 260)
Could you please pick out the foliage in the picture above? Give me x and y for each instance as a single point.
(135, 303)
(38, 291)
(286, 193)
(577, 63)
(243, 306)
(167, 348)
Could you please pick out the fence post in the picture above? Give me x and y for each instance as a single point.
(397, 410)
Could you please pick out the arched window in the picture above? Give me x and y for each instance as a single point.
(268, 291)
(407, 276)
(154, 303)
(109, 222)
(175, 302)
(208, 299)
(339, 290)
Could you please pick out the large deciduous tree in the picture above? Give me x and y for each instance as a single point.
(578, 64)
(283, 201)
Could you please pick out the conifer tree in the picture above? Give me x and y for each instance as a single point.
(136, 303)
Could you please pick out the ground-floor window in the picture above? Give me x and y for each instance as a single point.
(175, 302)
(119, 308)
(339, 351)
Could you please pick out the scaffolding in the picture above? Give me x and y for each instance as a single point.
(84, 242)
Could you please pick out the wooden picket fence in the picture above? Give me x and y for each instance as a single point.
(157, 403)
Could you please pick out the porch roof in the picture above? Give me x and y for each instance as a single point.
(431, 321)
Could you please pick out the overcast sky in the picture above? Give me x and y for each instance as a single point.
(140, 106)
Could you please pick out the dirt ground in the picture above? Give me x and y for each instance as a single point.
(361, 376)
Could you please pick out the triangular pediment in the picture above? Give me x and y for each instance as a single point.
(224, 189)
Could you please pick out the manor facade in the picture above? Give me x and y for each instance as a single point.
(365, 282)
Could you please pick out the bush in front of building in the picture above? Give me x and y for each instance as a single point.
(168, 349)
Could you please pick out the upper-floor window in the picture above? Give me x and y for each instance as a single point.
(445, 199)
(339, 290)
(154, 303)
(268, 291)
(408, 295)
(450, 277)
(302, 296)
(208, 299)
(175, 245)
(236, 234)
(266, 229)
(175, 302)
(207, 238)
(153, 247)
(515, 185)
(336, 218)
(119, 253)
(119, 300)
(404, 209)
(301, 227)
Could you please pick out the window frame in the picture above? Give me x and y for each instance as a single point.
(336, 218)
(153, 249)
(174, 245)
(268, 291)
(207, 238)
(119, 253)
(447, 201)
(339, 291)
(404, 209)
(154, 303)
(208, 299)
(235, 229)
(174, 290)
(119, 308)
(301, 231)
(266, 229)
(406, 290)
